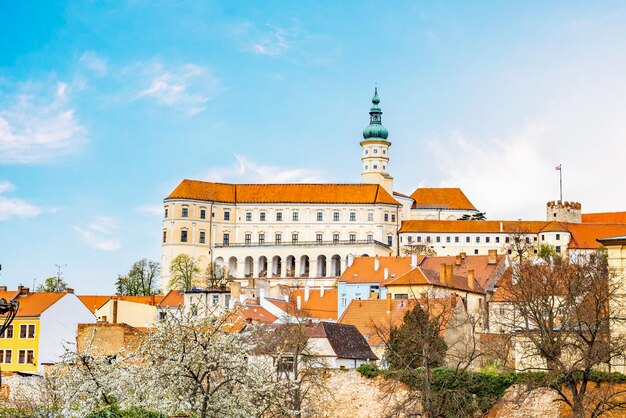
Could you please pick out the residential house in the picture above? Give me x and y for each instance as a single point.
(136, 311)
(316, 304)
(45, 324)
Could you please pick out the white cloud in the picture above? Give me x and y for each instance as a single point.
(91, 61)
(97, 233)
(156, 210)
(10, 207)
(38, 124)
(245, 170)
(186, 87)
(274, 42)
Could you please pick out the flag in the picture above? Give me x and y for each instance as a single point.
(558, 167)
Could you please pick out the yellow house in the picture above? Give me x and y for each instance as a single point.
(46, 322)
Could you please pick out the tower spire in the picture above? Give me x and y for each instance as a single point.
(375, 149)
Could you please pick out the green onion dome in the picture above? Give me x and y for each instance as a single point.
(375, 130)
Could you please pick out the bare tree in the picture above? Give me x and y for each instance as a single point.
(566, 313)
(142, 279)
(419, 249)
(215, 275)
(520, 242)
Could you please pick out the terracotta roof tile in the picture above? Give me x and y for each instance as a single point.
(94, 302)
(504, 227)
(173, 299)
(422, 276)
(322, 307)
(483, 271)
(362, 269)
(282, 193)
(585, 236)
(441, 198)
(605, 217)
(34, 304)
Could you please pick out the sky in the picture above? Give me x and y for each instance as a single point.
(106, 106)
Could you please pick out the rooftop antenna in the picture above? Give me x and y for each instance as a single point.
(59, 273)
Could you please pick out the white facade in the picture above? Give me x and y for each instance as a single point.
(59, 327)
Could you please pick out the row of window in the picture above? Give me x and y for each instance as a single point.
(26, 331)
(457, 239)
(279, 216)
(23, 356)
(375, 167)
(375, 151)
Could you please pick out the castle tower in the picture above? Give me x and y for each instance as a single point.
(375, 150)
(564, 212)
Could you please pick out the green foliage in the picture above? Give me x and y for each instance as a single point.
(184, 272)
(417, 342)
(369, 370)
(546, 252)
(141, 280)
(480, 216)
(115, 412)
(52, 284)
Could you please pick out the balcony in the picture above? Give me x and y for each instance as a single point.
(303, 244)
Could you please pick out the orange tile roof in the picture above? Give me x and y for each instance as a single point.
(256, 313)
(483, 271)
(368, 315)
(362, 269)
(585, 236)
(605, 217)
(8, 295)
(173, 299)
(423, 277)
(34, 304)
(322, 307)
(94, 302)
(441, 198)
(472, 226)
(282, 193)
(146, 300)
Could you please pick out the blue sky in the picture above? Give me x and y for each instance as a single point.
(106, 106)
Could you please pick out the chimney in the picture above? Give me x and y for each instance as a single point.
(306, 293)
(457, 260)
(3, 288)
(413, 260)
(376, 264)
(385, 273)
(442, 273)
(388, 303)
(449, 273)
(492, 257)
(115, 310)
(23, 290)
(470, 279)
(70, 290)
(322, 291)
(463, 255)
(299, 302)
(501, 227)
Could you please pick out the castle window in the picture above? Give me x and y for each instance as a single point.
(202, 213)
(497, 240)
(248, 239)
(386, 217)
(352, 238)
(506, 240)
(467, 239)
(476, 252)
(419, 238)
(366, 166)
(375, 167)
(166, 212)
(248, 216)
(294, 238)
(375, 151)
(558, 237)
(352, 216)
(226, 239)
(438, 239)
(226, 215)
(183, 235)
(294, 216)
(164, 236)
(384, 167)
(370, 238)
(261, 239)
(318, 238)
(262, 216)
(335, 238)
(487, 240)
(393, 217)
(366, 152)
(448, 239)
(185, 212)
(384, 151)
(457, 239)
(320, 216)
(370, 217)
(278, 238)
(477, 240)
(389, 240)
(279, 216)
(336, 216)
(557, 248)
(428, 239)
(202, 235)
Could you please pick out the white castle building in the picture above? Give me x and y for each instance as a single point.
(294, 232)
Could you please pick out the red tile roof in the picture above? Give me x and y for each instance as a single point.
(441, 198)
(282, 193)
(322, 307)
(585, 236)
(362, 269)
(94, 302)
(483, 271)
(504, 227)
(34, 304)
(173, 299)
(605, 217)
